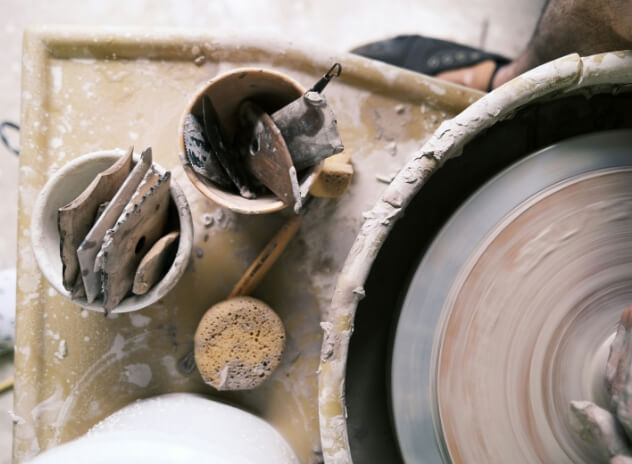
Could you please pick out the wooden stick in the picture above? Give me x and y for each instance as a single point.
(6, 384)
(268, 256)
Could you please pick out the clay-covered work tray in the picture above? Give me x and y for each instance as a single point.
(88, 90)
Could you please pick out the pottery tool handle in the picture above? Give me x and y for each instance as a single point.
(266, 258)
(6, 384)
(333, 72)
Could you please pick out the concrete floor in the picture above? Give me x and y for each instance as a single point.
(502, 26)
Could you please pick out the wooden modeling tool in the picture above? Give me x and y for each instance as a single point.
(154, 264)
(75, 220)
(267, 156)
(135, 232)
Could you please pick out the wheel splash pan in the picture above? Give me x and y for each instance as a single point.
(523, 286)
(537, 120)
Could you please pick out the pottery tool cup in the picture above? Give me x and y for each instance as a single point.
(65, 186)
(269, 90)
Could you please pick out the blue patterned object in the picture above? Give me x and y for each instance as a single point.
(7, 309)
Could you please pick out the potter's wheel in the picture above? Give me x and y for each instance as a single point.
(508, 315)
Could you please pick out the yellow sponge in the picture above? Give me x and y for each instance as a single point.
(334, 177)
(238, 343)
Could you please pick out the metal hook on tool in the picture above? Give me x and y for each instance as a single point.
(5, 140)
(333, 72)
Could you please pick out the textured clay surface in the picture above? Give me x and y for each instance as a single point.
(238, 343)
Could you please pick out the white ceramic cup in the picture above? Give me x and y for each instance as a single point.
(176, 428)
(64, 186)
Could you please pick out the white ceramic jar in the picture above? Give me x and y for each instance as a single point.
(176, 428)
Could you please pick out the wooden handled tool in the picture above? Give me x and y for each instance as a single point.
(239, 342)
(268, 256)
(6, 384)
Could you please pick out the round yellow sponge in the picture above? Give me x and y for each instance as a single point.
(238, 343)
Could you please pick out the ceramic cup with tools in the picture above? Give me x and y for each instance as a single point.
(64, 187)
(271, 90)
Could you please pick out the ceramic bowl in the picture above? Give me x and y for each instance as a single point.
(176, 427)
(271, 90)
(65, 185)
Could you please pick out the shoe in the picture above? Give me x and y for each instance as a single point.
(428, 56)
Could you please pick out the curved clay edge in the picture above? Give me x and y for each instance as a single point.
(567, 74)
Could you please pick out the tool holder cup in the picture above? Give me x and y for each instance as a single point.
(65, 185)
(271, 91)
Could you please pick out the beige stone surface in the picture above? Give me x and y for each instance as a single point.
(499, 26)
(104, 88)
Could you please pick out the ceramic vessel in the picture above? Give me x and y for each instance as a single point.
(418, 425)
(177, 427)
(272, 91)
(63, 187)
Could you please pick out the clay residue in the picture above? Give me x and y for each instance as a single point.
(138, 374)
